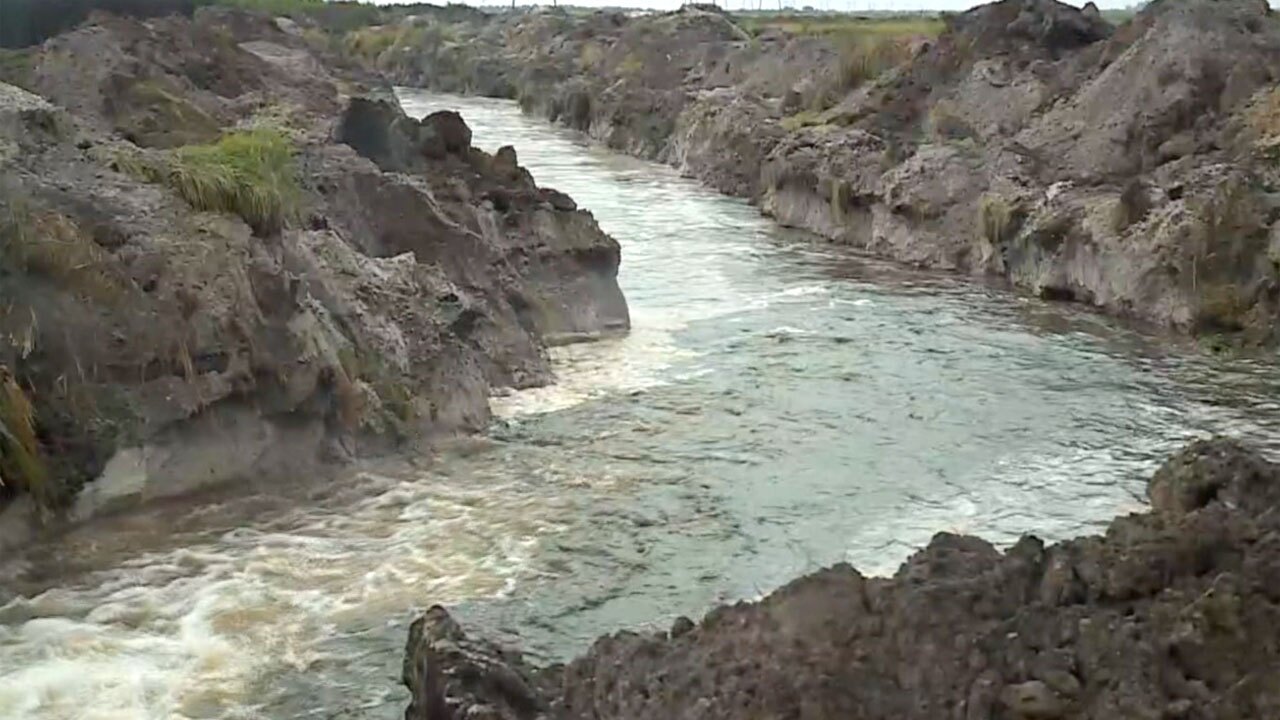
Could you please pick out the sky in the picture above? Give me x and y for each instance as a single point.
(820, 4)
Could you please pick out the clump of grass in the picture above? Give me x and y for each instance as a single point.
(893, 24)
(249, 173)
(995, 219)
(22, 466)
(591, 55)
(867, 58)
(631, 65)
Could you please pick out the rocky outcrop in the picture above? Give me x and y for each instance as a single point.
(177, 320)
(1170, 614)
(1129, 168)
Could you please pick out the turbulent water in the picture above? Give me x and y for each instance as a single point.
(780, 405)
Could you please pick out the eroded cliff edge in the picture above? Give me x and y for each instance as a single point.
(1170, 614)
(1129, 167)
(228, 254)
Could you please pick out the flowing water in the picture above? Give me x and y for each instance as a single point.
(780, 405)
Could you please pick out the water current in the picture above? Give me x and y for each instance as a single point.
(781, 405)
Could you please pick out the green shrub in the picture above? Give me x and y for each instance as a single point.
(250, 174)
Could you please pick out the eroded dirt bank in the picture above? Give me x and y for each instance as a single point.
(1170, 614)
(1129, 167)
(230, 255)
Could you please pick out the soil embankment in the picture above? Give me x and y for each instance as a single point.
(230, 255)
(1128, 167)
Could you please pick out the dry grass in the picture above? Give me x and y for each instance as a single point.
(865, 58)
(803, 119)
(1262, 118)
(375, 43)
(842, 25)
(51, 245)
(995, 219)
(591, 55)
(22, 466)
(631, 65)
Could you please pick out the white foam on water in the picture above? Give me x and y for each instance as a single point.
(194, 632)
(803, 291)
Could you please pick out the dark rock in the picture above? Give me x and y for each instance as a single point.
(452, 677)
(445, 134)
(681, 626)
(558, 200)
(1214, 470)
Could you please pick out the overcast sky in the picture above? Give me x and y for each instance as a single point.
(821, 4)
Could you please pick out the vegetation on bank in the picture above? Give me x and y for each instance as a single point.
(249, 173)
(43, 247)
(29, 22)
(843, 26)
(868, 46)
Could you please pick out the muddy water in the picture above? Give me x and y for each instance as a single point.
(780, 406)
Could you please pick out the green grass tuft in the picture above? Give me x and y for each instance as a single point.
(251, 174)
